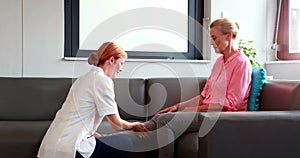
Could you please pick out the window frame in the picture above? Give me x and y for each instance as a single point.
(283, 37)
(71, 42)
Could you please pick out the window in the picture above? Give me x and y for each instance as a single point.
(148, 29)
(289, 30)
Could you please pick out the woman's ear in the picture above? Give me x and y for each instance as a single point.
(111, 60)
(229, 36)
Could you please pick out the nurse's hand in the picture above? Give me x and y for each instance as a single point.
(141, 130)
(139, 127)
(97, 135)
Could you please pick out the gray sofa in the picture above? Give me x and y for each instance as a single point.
(28, 105)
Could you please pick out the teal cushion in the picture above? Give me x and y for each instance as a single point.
(258, 79)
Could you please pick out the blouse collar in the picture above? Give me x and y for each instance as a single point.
(232, 56)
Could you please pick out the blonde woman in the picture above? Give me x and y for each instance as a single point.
(228, 86)
(226, 89)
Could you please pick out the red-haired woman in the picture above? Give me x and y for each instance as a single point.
(90, 99)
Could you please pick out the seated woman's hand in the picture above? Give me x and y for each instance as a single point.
(169, 109)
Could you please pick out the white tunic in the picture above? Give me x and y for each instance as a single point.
(90, 98)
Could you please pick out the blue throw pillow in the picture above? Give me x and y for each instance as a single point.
(258, 79)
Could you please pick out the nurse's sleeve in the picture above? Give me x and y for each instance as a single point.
(105, 97)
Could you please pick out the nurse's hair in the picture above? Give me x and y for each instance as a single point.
(105, 51)
(226, 26)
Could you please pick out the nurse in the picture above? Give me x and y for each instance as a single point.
(91, 98)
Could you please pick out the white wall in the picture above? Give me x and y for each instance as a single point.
(251, 15)
(283, 69)
(32, 45)
(43, 39)
(10, 38)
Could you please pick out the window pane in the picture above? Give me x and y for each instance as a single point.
(96, 15)
(294, 26)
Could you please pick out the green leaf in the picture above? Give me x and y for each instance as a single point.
(249, 51)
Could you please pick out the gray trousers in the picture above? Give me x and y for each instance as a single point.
(170, 126)
(164, 130)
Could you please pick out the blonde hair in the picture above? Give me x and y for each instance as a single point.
(226, 26)
(105, 51)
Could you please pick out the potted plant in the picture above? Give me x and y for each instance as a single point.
(249, 51)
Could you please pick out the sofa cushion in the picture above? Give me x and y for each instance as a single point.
(259, 134)
(165, 92)
(130, 97)
(32, 98)
(280, 95)
(187, 145)
(21, 138)
(257, 81)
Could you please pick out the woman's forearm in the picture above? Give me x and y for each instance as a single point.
(128, 125)
(119, 124)
(192, 102)
(210, 107)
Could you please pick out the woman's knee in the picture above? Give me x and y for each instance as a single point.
(164, 119)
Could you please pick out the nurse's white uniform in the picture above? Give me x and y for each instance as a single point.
(90, 98)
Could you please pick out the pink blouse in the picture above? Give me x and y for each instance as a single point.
(229, 83)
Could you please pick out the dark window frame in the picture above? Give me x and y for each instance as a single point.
(283, 33)
(71, 45)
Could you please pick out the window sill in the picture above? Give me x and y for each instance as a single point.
(146, 60)
(283, 62)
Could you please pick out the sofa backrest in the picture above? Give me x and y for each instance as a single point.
(165, 92)
(29, 99)
(130, 97)
(32, 98)
(138, 99)
(280, 95)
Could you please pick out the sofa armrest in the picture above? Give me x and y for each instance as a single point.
(251, 134)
